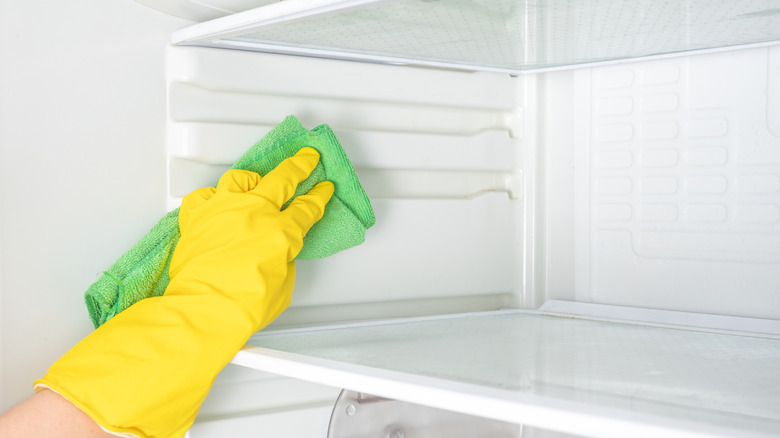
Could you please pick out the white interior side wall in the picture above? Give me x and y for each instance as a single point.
(82, 167)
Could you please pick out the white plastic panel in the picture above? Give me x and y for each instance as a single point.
(678, 184)
(587, 377)
(437, 151)
(504, 35)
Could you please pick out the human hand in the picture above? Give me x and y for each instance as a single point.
(147, 370)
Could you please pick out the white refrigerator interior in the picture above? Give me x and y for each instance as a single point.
(578, 204)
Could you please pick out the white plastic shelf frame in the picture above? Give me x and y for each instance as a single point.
(590, 370)
(493, 35)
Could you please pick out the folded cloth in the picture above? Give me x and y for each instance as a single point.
(142, 271)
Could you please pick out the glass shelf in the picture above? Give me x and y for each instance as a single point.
(559, 372)
(495, 35)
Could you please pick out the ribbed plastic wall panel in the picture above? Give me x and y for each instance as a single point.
(437, 152)
(498, 35)
(678, 183)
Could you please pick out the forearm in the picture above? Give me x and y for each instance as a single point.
(48, 415)
(179, 344)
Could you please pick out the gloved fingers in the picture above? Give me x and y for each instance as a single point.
(197, 197)
(238, 181)
(192, 201)
(279, 184)
(307, 209)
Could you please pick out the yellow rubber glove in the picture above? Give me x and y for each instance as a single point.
(147, 371)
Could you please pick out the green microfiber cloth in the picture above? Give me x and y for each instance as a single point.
(142, 271)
